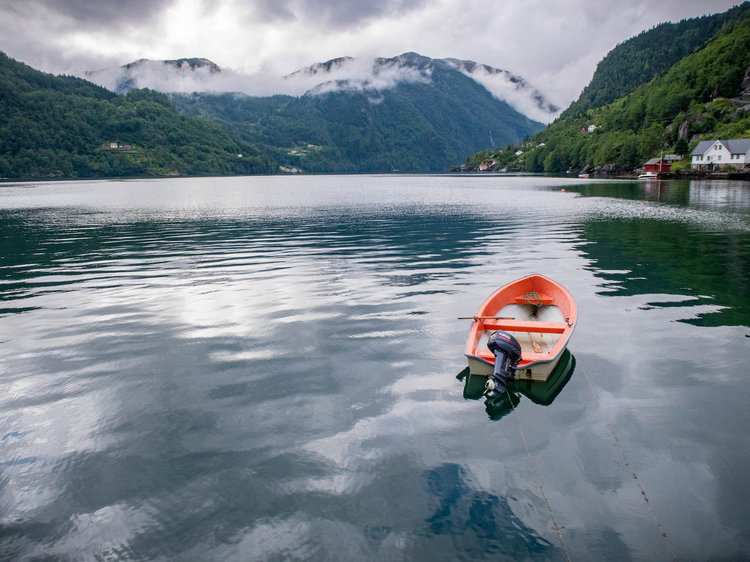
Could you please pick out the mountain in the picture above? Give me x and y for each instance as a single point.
(380, 73)
(156, 74)
(705, 93)
(322, 67)
(516, 90)
(61, 126)
(344, 73)
(409, 113)
(648, 55)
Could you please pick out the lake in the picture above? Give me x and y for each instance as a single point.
(269, 368)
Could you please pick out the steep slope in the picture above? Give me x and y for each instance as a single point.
(509, 87)
(648, 55)
(56, 126)
(383, 73)
(409, 113)
(704, 94)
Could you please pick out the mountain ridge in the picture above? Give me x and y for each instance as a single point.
(65, 127)
(69, 127)
(347, 73)
(656, 50)
(375, 122)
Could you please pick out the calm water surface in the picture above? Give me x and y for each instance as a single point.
(266, 368)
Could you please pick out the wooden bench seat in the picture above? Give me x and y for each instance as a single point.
(526, 326)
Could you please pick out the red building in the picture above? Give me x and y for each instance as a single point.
(663, 164)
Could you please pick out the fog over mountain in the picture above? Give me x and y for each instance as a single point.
(554, 45)
(340, 74)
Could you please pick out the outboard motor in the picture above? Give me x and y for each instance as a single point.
(507, 352)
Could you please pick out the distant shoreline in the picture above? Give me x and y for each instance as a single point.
(600, 174)
(690, 175)
(621, 174)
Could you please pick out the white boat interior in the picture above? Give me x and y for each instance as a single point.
(530, 313)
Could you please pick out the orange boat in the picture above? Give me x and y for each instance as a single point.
(538, 312)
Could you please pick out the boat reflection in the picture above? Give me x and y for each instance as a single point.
(542, 393)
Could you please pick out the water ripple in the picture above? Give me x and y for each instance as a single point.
(226, 368)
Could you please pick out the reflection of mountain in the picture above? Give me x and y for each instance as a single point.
(542, 393)
(642, 255)
(717, 195)
(479, 522)
(401, 248)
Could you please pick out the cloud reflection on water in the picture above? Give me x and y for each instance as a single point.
(265, 369)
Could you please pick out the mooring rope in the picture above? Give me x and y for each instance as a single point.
(533, 298)
(626, 460)
(539, 483)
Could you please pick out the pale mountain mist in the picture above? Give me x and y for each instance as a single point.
(341, 74)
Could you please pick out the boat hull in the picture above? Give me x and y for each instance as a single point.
(540, 313)
(539, 371)
(542, 393)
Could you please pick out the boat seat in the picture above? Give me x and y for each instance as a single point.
(526, 326)
(545, 300)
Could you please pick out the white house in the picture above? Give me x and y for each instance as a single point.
(735, 152)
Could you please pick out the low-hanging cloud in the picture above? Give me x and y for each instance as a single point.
(513, 90)
(345, 74)
(349, 74)
(554, 45)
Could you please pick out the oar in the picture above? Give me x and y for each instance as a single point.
(486, 318)
(536, 346)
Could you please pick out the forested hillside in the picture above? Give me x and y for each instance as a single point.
(57, 126)
(702, 95)
(414, 126)
(648, 55)
(658, 92)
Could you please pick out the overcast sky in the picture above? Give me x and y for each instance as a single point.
(554, 44)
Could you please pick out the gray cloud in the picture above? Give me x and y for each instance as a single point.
(350, 12)
(333, 13)
(88, 14)
(553, 45)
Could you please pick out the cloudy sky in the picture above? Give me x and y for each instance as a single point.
(554, 44)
